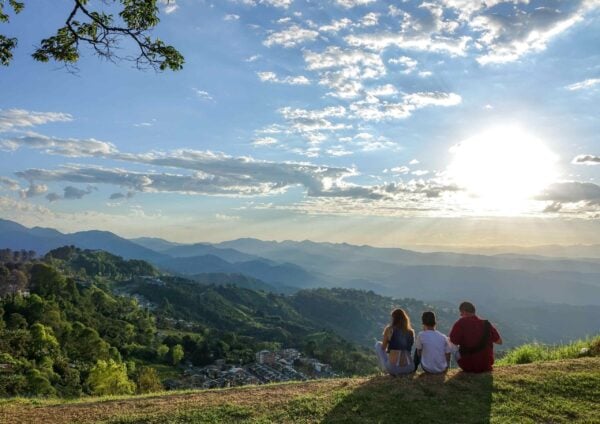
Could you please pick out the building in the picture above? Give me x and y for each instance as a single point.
(266, 357)
(290, 354)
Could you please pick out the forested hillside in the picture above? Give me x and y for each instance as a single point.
(88, 322)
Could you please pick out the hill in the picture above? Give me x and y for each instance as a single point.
(550, 392)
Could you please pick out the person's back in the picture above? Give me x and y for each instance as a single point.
(476, 338)
(393, 352)
(433, 347)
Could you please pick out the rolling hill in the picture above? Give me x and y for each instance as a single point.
(549, 392)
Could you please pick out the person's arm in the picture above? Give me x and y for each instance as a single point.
(496, 336)
(418, 345)
(456, 334)
(448, 351)
(386, 338)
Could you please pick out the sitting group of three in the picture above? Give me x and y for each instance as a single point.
(471, 343)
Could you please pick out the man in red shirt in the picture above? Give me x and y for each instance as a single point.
(475, 338)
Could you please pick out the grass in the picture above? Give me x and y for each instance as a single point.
(565, 391)
(535, 352)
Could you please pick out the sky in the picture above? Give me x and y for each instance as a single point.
(400, 123)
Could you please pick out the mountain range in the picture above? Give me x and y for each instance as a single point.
(290, 265)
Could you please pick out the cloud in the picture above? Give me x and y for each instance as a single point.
(382, 91)
(507, 35)
(169, 6)
(15, 119)
(69, 147)
(338, 151)
(119, 196)
(225, 217)
(53, 197)
(353, 3)
(272, 77)
(34, 190)
(264, 141)
(584, 85)
(343, 70)
(374, 109)
(369, 20)
(572, 192)
(231, 17)
(74, 193)
(336, 25)
(291, 37)
(455, 46)
(419, 100)
(9, 184)
(400, 170)
(553, 207)
(278, 3)
(204, 95)
(284, 4)
(215, 174)
(308, 122)
(586, 160)
(410, 65)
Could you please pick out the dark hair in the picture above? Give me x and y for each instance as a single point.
(428, 319)
(401, 321)
(467, 307)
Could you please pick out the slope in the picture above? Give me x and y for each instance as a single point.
(557, 392)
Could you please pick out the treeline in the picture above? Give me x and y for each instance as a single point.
(239, 322)
(97, 263)
(58, 337)
(64, 331)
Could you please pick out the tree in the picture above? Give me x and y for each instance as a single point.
(102, 31)
(110, 378)
(161, 351)
(176, 354)
(148, 380)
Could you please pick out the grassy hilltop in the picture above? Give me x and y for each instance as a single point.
(564, 391)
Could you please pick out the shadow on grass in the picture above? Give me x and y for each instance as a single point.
(422, 398)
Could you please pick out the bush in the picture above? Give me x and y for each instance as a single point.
(38, 384)
(536, 352)
(148, 381)
(109, 378)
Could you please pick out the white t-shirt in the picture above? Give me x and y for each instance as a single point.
(434, 346)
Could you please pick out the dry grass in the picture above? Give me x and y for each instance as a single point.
(521, 389)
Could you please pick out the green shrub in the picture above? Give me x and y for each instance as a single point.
(535, 352)
(109, 378)
(148, 381)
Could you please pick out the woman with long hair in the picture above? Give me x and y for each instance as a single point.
(394, 351)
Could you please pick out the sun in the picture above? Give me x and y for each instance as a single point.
(502, 168)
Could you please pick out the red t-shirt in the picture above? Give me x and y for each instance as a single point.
(468, 332)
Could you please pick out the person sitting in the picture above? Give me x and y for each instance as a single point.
(394, 351)
(475, 338)
(432, 347)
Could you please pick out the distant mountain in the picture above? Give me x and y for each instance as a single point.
(156, 244)
(42, 240)
(242, 281)
(323, 256)
(284, 274)
(577, 251)
(388, 271)
(201, 249)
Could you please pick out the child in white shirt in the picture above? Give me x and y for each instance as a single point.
(433, 347)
